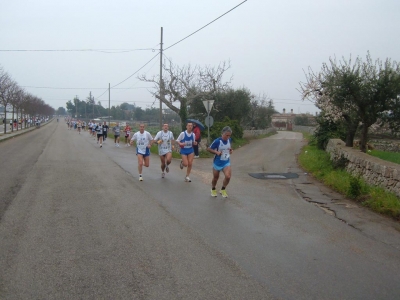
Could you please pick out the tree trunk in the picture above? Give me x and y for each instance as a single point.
(17, 120)
(351, 132)
(13, 116)
(364, 137)
(183, 113)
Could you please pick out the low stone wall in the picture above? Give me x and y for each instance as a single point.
(373, 170)
(386, 145)
(254, 133)
(308, 129)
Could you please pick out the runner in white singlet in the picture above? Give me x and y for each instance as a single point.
(144, 140)
(165, 140)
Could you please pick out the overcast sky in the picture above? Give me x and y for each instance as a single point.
(268, 43)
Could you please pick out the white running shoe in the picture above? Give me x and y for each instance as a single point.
(101, 145)
(140, 178)
(187, 179)
(118, 145)
(167, 169)
(162, 175)
(196, 156)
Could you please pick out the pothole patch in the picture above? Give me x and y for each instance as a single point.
(274, 175)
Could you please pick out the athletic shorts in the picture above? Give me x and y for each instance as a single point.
(144, 155)
(186, 151)
(220, 168)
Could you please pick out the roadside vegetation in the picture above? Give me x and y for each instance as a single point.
(388, 156)
(317, 163)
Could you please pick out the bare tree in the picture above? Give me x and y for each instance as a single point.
(184, 84)
(5, 83)
(8, 89)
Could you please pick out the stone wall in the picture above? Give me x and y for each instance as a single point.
(254, 133)
(308, 129)
(373, 170)
(386, 145)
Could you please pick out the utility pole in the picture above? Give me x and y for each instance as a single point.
(92, 104)
(76, 106)
(109, 110)
(161, 80)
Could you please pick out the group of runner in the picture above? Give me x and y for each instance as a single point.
(186, 141)
(220, 147)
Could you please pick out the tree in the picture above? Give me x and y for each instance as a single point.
(70, 108)
(61, 111)
(231, 103)
(184, 84)
(356, 94)
(301, 120)
(261, 111)
(8, 88)
(392, 117)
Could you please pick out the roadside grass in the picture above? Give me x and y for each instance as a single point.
(388, 156)
(318, 164)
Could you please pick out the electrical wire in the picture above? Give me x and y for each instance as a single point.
(80, 88)
(113, 51)
(205, 26)
(137, 70)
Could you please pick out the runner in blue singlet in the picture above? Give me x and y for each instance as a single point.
(222, 149)
(186, 140)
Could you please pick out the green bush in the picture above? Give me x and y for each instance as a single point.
(215, 130)
(354, 190)
(327, 130)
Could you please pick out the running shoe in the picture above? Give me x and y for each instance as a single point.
(140, 178)
(196, 156)
(101, 145)
(162, 175)
(181, 165)
(187, 179)
(213, 193)
(223, 193)
(167, 169)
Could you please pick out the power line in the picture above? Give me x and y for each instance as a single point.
(137, 70)
(79, 88)
(205, 25)
(113, 51)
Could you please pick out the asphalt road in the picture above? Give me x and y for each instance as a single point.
(75, 223)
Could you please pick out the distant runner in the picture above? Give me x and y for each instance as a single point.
(117, 130)
(127, 131)
(99, 131)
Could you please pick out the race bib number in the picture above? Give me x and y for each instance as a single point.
(225, 154)
(141, 146)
